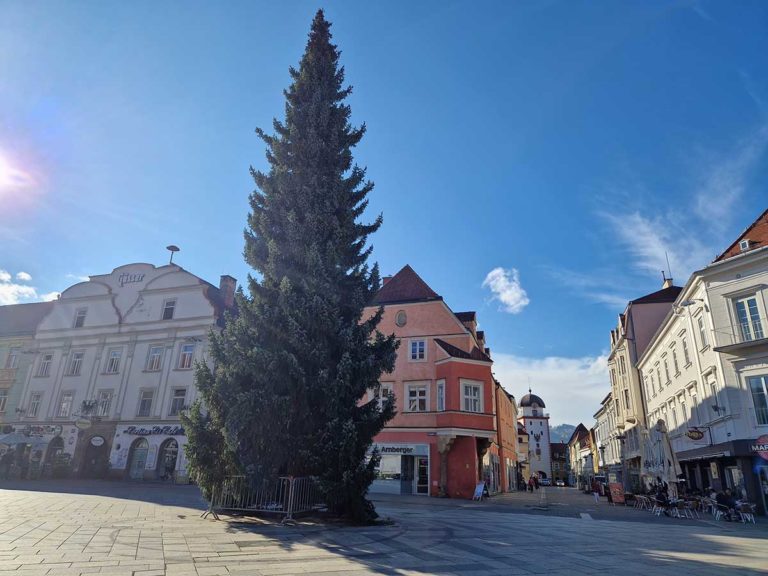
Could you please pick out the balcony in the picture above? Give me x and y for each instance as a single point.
(7, 375)
(746, 334)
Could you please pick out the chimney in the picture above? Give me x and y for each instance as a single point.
(385, 280)
(666, 282)
(227, 286)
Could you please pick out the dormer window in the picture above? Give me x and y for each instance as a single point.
(744, 245)
(80, 317)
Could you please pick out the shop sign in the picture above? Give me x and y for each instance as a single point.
(695, 434)
(713, 470)
(42, 430)
(169, 430)
(97, 441)
(82, 423)
(760, 447)
(402, 449)
(128, 278)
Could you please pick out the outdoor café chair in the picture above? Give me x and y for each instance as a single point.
(746, 512)
(721, 510)
(693, 507)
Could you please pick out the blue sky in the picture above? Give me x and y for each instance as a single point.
(568, 144)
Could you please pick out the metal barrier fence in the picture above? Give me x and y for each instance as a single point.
(287, 496)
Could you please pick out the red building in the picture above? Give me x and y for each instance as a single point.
(443, 440)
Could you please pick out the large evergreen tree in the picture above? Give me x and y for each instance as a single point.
(292, 368)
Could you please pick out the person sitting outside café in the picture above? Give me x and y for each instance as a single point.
(726, 500)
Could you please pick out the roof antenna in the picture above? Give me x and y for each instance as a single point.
(529, 385)
(172, 248)
(669, 268)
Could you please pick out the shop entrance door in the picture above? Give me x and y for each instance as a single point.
(138, 459)
(422, 475)
(762, 477)
(166, 462)
(406, 474)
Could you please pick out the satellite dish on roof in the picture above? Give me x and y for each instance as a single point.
(172, 248)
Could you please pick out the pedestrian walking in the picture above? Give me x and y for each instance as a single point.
(596, 490)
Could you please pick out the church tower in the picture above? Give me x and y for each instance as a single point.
(536, 423)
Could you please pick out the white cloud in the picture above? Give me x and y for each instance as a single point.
(594, 287)
(49, 296)
(651, 240)
(13, 293)
(506, 288)
(572, 388)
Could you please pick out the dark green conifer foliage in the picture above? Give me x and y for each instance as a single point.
(294, 365)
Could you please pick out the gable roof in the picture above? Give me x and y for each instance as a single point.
(579, 432)
(664, 295)
(455, 352)
(405, 286)
(22, 319)
(756, 233)
(466, 316)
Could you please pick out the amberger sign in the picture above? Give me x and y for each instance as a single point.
(760, 447)
(402, 449)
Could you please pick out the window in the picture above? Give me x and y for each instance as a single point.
(44, 368)
(686, 354)
(441, 396)
(169, 307)
(750, 325)
(80, 317)
(675, 363)
(178, 401)
(418, 349)
(3, 400)
(186, 355)
(65, 404)
(666, 370)
(417, 398)
(113, 362)
(34, 404)
(683, 413)
(75, 363)
(673, 411)
(658, 377)
(626, 399)
(473, 397)
(758, 385)
(702, 332)
(145, 403)
(653, 385)
(155, 359)
(613, 376)
(104, 403)
(385, 390)
(622, 365)
(12, 361)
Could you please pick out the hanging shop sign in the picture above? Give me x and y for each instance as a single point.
(97, 441)
(695, 434)
(760, 447)
(82, 423)
(169, 430)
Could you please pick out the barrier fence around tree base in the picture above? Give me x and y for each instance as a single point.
(286, 496)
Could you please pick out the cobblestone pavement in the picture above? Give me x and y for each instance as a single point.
(116, 529)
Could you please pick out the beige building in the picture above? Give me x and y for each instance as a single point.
(706, 370)
(629, 340)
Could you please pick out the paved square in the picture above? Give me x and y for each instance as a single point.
(147, 529)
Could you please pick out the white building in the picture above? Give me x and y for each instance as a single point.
(114, 366)
(536, 424)
(607, 438)
(706, 370)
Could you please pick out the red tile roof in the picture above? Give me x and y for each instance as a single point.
(466, 316)
(756, 233)
(455, 352)
(405, 286)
